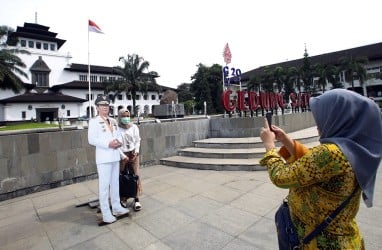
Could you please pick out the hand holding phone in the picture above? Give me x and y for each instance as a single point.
(268, 115)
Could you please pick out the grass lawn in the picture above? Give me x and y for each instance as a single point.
(27, 125)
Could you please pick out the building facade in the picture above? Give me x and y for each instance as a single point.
(58, 89)
(371, 87)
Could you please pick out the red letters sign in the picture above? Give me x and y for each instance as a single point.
(251, 101)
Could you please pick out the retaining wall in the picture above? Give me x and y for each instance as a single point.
(42, 159)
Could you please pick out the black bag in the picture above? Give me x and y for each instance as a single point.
(286, 231)
(128, 185)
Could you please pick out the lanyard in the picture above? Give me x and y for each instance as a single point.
(108, 123)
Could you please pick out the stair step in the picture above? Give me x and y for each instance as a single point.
(230, 153)
(213, 163)
(247, 142)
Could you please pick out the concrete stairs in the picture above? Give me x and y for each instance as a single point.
(231, 154)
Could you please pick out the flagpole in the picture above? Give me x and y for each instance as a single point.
(90, 95)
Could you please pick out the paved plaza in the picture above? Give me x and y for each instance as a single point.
(182, 209)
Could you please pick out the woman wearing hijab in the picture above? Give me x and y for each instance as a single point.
(321, 178)
(131, 142)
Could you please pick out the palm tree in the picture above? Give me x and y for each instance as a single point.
(254, 84)
(279, 76)
(135, 77)
(354, 67)
(10, 64)
(267, 79)
(325, 73)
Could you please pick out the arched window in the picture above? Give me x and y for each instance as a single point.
(40, 73)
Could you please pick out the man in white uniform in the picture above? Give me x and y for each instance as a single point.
(104, 135)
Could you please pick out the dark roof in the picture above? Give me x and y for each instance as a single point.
(41, 97)
(40, 65)
(78, 85)
(99, 86)
(372, 52)
(37, 31)
(75, 67)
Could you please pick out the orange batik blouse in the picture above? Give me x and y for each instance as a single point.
(319, 180)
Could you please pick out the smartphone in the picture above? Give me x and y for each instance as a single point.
(268, 115)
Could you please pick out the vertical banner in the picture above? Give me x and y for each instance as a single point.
(227, 54)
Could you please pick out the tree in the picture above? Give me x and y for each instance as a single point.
(201, 89)
(135, 78)
(10, 64)
(306, 73)
(254, 84)
(326, 73)
(184, 92)
(354, 67)
(292, 79)
(267, 79)
(214, 79)
(279, 76)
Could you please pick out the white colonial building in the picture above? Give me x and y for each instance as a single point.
(58, 89)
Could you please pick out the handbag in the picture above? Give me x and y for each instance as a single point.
(287, 233)
(128, 184)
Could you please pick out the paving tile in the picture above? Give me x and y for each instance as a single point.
(222, 194)
(262, 234)
(134, 236)
(164, 222)
(199, 236)
(198, 206)
(107, 240)
(72, 233)
(230, 220)
(35, 242)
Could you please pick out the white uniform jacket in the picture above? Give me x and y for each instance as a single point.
(99, 135)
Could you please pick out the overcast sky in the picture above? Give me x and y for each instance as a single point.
(176, 35)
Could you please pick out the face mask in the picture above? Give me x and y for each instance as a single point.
(125, 120)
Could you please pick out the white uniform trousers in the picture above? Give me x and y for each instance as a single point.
(108, 180)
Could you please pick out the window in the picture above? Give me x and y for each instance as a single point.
(38, 45)
(160, 97)
(87, 97)
(93, 78)
(23, 43)
(67, 112)
(52, 47)
(103, 78)
(111, 97)
(83, 78)
(30, 44)
(153, 97)
(40, 73)
(45, 46)
(111, 78)
(40, 78)
(23, 114)
(137, 97)
(119, 97)
(144, 97)
(128, 97)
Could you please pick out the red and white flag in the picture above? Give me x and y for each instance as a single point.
(93, 27)
(227, 54)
